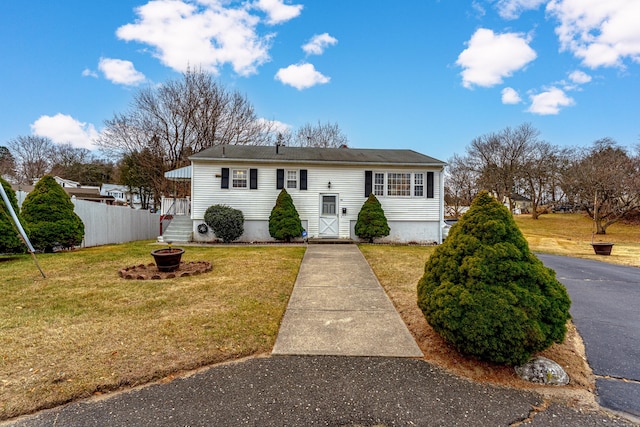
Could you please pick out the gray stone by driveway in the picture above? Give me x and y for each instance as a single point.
(338, 307)
(606, 310)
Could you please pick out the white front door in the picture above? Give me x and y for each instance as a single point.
(328, 215)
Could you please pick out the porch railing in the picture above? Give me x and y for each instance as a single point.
(169, 207)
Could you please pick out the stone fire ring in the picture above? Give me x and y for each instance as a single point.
(150, 271)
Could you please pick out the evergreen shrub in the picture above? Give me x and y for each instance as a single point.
(226, 222)
(284, 221)
(49, 219)
(371, 223)
(9, 241)
(484, 291)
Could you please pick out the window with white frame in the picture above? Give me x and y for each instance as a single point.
(239, 178)
(398, 184)
(418, 184)
(292, 179)
(401, 184)
(378, 184)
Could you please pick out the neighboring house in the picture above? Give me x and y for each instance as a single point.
(328, 187)
(65, 183)
(520, 204)
(121, 195)
(88, 193)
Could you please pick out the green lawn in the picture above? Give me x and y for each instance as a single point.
(84, 330)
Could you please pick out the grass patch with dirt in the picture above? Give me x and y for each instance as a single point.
(399, 268)
(84, 330)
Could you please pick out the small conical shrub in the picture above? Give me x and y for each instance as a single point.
(49, 218)
(284, 221)
(484, 292)
(371, 223)
(9, 241)
(226, 222)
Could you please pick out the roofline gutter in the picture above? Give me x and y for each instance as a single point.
(315, 162)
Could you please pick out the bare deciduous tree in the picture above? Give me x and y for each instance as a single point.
(541, 169)
(178, 118)
(33, 156)
(182, 117)
(7, 163)
(321, 135)
(605, 181)
(460, 185)
(498, 159)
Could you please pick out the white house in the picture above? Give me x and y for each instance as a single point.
(122, 194)
(328, 187)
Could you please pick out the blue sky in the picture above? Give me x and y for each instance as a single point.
(421, 74)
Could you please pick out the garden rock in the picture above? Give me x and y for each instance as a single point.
(541, 370)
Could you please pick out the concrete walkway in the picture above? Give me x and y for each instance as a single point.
(338, 308)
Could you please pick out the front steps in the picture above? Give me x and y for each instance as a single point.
(180, 229)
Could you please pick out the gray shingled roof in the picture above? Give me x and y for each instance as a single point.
(268, 154)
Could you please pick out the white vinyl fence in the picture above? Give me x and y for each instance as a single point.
(105, 224)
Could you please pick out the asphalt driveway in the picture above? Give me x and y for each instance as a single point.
(606, 310)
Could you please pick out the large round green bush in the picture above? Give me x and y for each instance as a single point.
(484, 291)
(284, 221)
(371, 223)
(49, 218)
(9, 240)
(226, 222)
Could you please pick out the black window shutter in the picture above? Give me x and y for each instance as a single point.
(225, 178)
(429, 185)
(253, 179)
(303, 179)
(280, 179)
(368, 175)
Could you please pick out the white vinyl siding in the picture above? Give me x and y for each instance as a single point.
(347, 182)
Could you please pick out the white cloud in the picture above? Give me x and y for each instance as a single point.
(579, 77)
(511, 9)
(490, 57)
(120, 71)
(301, 76)
(319, 43)
(89, 73)
(478, 8)
(277, 11)
(205, 33)
(601, 33)
(549, 102)
(510, 96)
(64, 129)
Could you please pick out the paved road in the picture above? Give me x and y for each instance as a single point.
(319, 391)
(606, 310)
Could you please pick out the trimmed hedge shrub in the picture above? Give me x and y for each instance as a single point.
(484, 291)
(371, 223)
(49, 219)
(226, 222)
(284, 221)
(9, 241)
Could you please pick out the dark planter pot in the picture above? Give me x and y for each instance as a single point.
(602, 248)
(167, 259)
